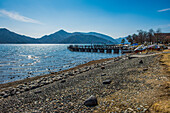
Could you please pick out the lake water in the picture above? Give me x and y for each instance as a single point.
(19, 61)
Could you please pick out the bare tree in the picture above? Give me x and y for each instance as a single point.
(151, 36)
(123, 41)
(141, 36)
(135, 38)
(157, 37)
(129, 38)
(145, 36)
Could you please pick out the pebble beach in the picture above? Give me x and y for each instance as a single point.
(121, 84)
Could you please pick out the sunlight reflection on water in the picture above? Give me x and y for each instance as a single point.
(18, 61)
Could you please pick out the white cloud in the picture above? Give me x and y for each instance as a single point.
(18, 17)
(162, 10)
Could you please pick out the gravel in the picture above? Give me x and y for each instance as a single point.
(68, 91)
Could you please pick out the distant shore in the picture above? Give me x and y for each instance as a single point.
(135, 84)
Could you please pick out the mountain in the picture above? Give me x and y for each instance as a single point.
(58, 37)
(7, 36)
(103, 36)
(76, 37)
(120, 39)
(86, 39)
(55, 37)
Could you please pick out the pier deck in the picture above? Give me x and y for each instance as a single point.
(98, 48)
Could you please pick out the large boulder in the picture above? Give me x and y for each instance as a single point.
(140, 62)
(102, 67)
(91, 101)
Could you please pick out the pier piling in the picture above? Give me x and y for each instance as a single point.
(96, 48)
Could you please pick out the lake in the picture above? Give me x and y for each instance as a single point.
(19, 61)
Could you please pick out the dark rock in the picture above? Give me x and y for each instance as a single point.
(20, 86)
(13, 91)
(52, 72)
(102, 67)
(44, 83)
(26, 89)
(130, 57)
(5, 95)
(141, 62)
(36, 92)
(65, 76)
(2, 94)
(33, 86)
(108, 81)
(104, 74)
(62, 81)
(59, 78)
(145, 69)
(91, 101)
(71, 74)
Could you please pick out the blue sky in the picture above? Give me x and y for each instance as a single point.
(116, 18)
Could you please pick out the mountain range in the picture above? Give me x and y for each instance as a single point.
(59, 37)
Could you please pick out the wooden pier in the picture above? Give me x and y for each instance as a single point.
(97, 48)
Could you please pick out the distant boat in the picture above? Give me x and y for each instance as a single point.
(154, 47)
(140, 48)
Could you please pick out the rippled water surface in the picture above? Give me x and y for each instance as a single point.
(19, 61)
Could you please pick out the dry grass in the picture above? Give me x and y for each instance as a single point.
(163, 106)
(157, 98)
(166, 60)
(154, 51)
(133, 96)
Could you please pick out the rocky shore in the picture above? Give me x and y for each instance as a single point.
(120, 84)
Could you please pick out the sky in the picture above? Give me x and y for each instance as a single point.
(116, 18)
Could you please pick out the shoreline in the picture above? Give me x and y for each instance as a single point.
(14, 83)
(136, 85)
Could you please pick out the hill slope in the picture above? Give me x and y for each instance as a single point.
(103, 36)
(85, 39)
(55, 37)
(7, 36)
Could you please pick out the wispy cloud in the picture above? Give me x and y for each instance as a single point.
(162, 10)
(18, 17)
(164, 26)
